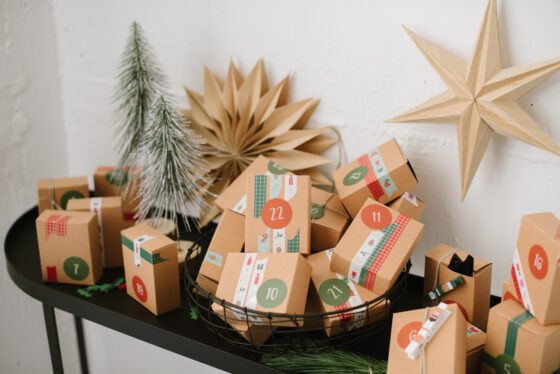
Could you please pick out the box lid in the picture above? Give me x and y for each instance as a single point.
(442, 249)
(61, 182)
(151, 246)
(547, 223)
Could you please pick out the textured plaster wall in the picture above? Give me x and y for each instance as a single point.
(353, 55)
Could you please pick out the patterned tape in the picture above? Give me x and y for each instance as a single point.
(512, 329)
(520, 283)
(444, 288)
(260, 195)
(378, 179)
(95, 207)
(137, 249)
(57, 225)
(241, 205)
(153, 259)
(411, 198)
(214, 258)
(430, 327)
(250, 278)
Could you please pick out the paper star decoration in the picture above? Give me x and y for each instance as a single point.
(481, 97)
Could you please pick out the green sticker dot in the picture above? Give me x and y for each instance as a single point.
(505, 364)
(334, 292)
(117, 177)
(76, 268)
(317, 211)
(272, 293)
(70, 195)
(355, 176)
(274, 168)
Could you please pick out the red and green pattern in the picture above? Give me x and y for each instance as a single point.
(56, 225)
(371, 181)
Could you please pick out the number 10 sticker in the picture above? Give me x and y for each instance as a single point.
(276, 213)
(272, 293)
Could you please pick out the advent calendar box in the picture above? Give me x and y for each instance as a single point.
(151, 269)
(278, 214)
(383, 174)
(69, 247)
(376, 247)
(329, 219)
(110, 181)
(55, 193)
(108, 211)
(536, 272)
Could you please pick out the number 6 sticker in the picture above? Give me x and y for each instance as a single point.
(276, 213)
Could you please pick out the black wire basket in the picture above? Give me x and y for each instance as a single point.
(264, 332)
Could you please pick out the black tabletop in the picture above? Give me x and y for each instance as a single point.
(174, 331)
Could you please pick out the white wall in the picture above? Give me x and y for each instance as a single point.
(352, 55)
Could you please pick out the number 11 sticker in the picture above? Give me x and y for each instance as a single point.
(376, 217)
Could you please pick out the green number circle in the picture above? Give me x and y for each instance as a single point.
(117, 177)
(274, 168)
(272, 293)
(355, 176)
(334, 292)
(317, 211)
(76, 268)
(70, 195)
(505, 364)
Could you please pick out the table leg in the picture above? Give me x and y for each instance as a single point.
(52, 335)
(81, 345)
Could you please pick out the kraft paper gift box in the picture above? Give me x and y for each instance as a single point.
(329, 219)
(337, 293)
(473, 296)
(151, 269)
(536, 266)
(56, 192)
(409, 205)
(508, 291)
(265, 282)
(228, 238)
(517, 343)
(444, 354)
(278, 214)
(109, 181)
(376, 247)
(234, 197)
(69, 247)
(110, 221)
(476, 338)
(383, 174)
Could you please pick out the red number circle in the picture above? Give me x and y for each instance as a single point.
(407, 333)
(139, 289)
(538, 261)
(376, 216)
(276, 213)
(461, 308)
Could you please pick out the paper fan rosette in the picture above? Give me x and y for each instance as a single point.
(240, 119)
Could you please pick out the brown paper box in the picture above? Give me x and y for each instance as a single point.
(111, 226)
(61, 190)
(278, 281)
(336, 293)
(536, 271)
(473, 297)
(329, 219)
(508, 291)
(155, 282)
(476, 338)
(279, 214)
(69, 247)
(108, 181)
(444, 354)
(409, 205)
(517, 343)
(378, 236)
(358, 180)
(228, 238)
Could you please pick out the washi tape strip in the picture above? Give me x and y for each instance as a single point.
(250, 278)
(381, 173)
(519, 282)
(513, 327)
(371, 182)
(57, 225)
(137, 248)
(95, 207)
(444, 288)
(430, 327)
(411, 198)
(153, 259)
(293, 244)
(259, 192)
(214, 258)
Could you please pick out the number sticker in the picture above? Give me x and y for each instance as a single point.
(70, 195)
(272, 293)
(334, 292)
(139, 289)
(376, 216)
(276, 213)
(505, 364)
(117, 177)
(274, 168)
(317, 211)
(538, 261)
(355, 176)
(407, 333)
(76, 268)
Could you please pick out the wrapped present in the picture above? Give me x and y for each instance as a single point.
(476, 338)
(69, 247)
(151, 269)
(517, 343)
(279, 214)
(383, 174)
(444, 267)
(234, 197)
(266, 282)
(376, 247)
(228, 238)
(329, 219)
(110, 181)
(337, 294)
(535, 271)
(409, 205)
(110, 221)
(56, 192)
(429, 340)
